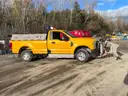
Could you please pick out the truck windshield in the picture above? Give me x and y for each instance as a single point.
(70, 34)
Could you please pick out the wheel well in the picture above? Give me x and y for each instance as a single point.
(79, 48)
(22, 49)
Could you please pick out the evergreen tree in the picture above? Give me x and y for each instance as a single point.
(76, 20)
(28, 19)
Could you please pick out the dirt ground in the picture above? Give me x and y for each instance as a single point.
(65, 77)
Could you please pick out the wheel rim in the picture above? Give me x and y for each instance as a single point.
(26, 56)
(81, 56)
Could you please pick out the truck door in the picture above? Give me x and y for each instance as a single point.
(59, 43)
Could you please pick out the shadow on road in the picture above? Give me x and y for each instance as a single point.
(126, 80)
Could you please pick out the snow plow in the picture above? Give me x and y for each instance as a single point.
(29, 46)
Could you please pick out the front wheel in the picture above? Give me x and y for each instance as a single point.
(82, 55)
(26, 55)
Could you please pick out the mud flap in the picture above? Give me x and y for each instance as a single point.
(93, 53)
(88, 50)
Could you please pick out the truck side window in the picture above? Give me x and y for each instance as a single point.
(58, 35)
(55, 35)
(64, 37)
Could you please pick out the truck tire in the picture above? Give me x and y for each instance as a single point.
(82, 55)
(26, 55)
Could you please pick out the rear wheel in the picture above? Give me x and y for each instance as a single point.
(82, 55)
(26, 55)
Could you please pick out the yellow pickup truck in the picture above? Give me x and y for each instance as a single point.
(81, 48)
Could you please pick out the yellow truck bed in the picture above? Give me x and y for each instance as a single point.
(37, 47)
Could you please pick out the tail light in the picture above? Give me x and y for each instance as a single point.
(10, 46)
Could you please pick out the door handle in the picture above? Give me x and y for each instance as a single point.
(53, 42)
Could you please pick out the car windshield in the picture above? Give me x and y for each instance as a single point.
(70, 34)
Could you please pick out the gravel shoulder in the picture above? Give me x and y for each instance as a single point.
(64, 77)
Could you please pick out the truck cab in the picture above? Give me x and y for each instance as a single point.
(81, 48)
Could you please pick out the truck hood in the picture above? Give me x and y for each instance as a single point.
(88, 42)
(83, 40)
